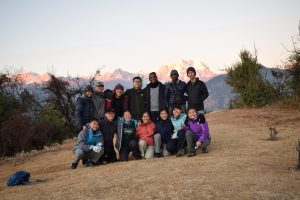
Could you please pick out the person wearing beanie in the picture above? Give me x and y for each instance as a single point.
(135, 99)
(98, 100)
(154, 95)
(117, 102)
(84, 107)
(174, 92)
(196, 90)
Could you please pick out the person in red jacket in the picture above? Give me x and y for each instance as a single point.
(144, 133)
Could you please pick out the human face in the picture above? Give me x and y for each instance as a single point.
(119, 92)
(137, 84)
(176, 112)
(191, 75)
(192, 114)
(89, 93)
(163, 115)
(99, 88)
(127, 116)
(174, 77)
(110, 116)
(152, 78)
(146, 118)
(94, 125)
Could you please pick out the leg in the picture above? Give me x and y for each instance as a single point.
(171, 146)
(142, 147)
(191, 140)
(181, 140)
(78, 155)
(204, 145)
(157, 142)
(149, 152)
(124, 152)
(134, 147)
(93, 156)
(110, 153)
(166, 153)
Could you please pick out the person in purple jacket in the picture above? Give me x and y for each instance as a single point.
(196, 132)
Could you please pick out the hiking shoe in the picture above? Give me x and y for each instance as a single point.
(191, 153)
(87, 164)
(157, 155)
(74, 165)
(84, 161)
(204, 150)
(180, 153)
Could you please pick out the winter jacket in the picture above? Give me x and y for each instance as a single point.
(197, 93)
(145, 132)
(174, 93)
(135, 100)
(200, 130)
(178, 123)
(161, 96)
(118, 105)
(83, 111)
(98, 100)
(165, 128)
(86, 138)
(108, 130)
(120, 126)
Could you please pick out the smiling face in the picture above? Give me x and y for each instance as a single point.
(191, 75)
(174, 77)
(99, 88)
(89, 93)
(110, 116)
(127, 116)
(137, 84)
(152, 78)
(192, 114)
(145, 118)
(94, 125)
(163, 115)
(119, 92)
(176, 112)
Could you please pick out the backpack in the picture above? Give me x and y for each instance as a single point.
(18, 178)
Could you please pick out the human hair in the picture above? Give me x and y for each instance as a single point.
(137, 77)
(146, 112)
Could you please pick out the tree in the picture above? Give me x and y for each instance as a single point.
(246, 79)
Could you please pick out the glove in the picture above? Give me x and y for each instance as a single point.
(91, 147)
(97, 149)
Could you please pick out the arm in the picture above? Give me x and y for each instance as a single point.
(167, 94)
(78, 113)
(82, 140)
(205, 133)
(203, 92)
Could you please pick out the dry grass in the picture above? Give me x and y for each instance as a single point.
(242, 164)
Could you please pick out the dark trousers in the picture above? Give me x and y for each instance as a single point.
(154, 116)
(191, 140)
(109, 153)
(176, 144)
(133, 147)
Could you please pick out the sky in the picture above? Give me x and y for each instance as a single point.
(73, 37)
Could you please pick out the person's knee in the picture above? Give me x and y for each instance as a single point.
(133, 144)
(189, 134)
(157, 137)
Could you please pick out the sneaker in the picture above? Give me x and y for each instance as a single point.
(191, 153)
(204, 150)
(87, 164)
(84, 161)
(180, 153)
(74, 165)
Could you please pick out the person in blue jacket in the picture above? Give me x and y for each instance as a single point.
(84, 107)
(89, 147)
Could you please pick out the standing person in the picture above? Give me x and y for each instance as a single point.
(117, 102)
(109, 129)
(84, 107)
(196, 91)
(174, 92)
(196, 132)
(144, 133)
(89, 147)
(136, 99)
(155, 96)
(164, 132)
(98, 100)
(126, 139)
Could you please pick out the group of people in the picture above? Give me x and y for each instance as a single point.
(159, 120)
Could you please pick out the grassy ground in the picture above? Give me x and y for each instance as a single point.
(241, 164)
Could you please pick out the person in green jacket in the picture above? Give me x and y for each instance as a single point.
(135, 99)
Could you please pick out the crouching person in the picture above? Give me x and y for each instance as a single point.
(89, 147)
(126, 139)
(144, 133)
(196, 132)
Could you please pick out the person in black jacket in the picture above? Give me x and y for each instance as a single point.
(117, 102)
(135, 99)
(84, 107)
(155, 97)
(196, 91)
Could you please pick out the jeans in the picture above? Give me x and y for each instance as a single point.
(86, 155)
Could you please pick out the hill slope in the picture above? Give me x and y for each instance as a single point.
(241, 164)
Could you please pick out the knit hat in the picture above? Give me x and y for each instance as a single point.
(119, 86)
(88, 89)
(174, 72)
(191, 69)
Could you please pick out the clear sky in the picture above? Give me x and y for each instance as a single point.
(77, 37)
